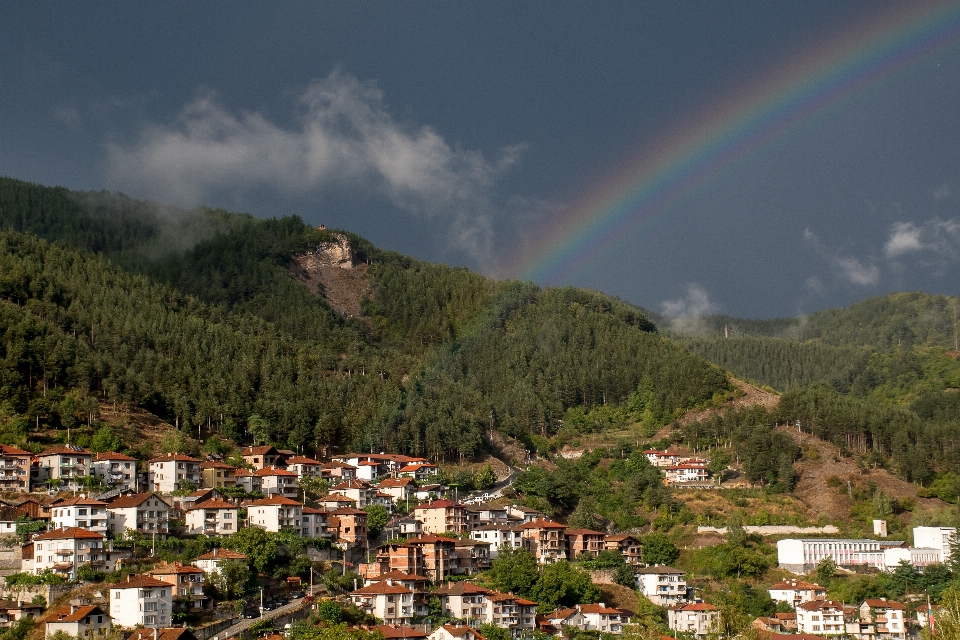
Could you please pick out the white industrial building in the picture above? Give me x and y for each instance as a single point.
(934, 538)
(802, 555)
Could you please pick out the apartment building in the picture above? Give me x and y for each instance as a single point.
(305, 467)
(275, 513)
(821, 618)
(64, 466)
(116, 470)
(141, 600)
(217, 475)
(211, 561)
(274, 481)
(441, 516)
(697, 618)
(661, 585)
(187, 584)
(213, 518)
(14, 469)
(63, 551)
(545, 540)
(315, 524)
(498, 535)
(584, 542)
(627, 545)
(880, 619)
(167, 473)
(600, 617)
(351, 526)
(439, 556)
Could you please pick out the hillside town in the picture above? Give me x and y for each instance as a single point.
(79, 511)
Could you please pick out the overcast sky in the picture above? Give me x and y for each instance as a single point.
(462, 132)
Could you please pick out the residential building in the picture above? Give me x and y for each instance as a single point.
(64, 465)
(795, 592)
(404, 558)
(917, 557)
(11, 611)
(662, 459)
(880, 619)
(305, 467)
(419, 471)
(274, 481)
(401, 489)
(217, 475)
(497, 535)
(698, 618)
(168, 633)
(441, 516)
(79, 512)
(141, 600)
(478, 606)
(147, 513)
(88, 621)
(249, 481)
(340, 470)
(600, 617)
(439, 556)
(334, 501)
(661, 585)
(213, 517)
(804, 554)
(186, 582)
(361, 492)
(351, 526)
(523, 514)
(262, 457)
(14, 469)
(116, 470)
(688, 473)
(584, 542)
(416, 583)
(315, 523)
(394, 631)
(213, 560)
(545, 540)
(403, 527)
(172, 472)
(455, 632)
(821, 618)
(392, 603)
(275, 513)
(627, 545)
(473, 556)
(62, 551)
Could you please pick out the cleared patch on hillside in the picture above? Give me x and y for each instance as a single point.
(821, 467)
(751, 396)
(134, 424)
(343, 289)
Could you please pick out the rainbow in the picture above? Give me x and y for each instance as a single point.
(702, 151)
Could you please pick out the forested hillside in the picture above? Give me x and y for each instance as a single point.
(194, 315)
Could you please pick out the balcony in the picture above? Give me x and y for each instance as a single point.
(64, 552)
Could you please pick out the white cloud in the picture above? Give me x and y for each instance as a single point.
(936, 240)
(344, 136)
(849, 268)
(695, 303)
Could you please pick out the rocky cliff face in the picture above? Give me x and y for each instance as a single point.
(336, 253)
(329, 271)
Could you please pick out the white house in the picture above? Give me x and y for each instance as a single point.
(687, 472)
(390, 602)
(141, 600)
(359, 490)
(118, 471)
(147, 513)
(87, 621)
(497, 535)
(275, 481)
(304, 466)
(698, 618)
(661, 585)
(213, 517)
(793, 592)
(600, 617)
(314, 523)
(186, 582)
(64, 550)
(454, 632)
(821, 618)
(79, 512)
(213, 560)
(167, 472)
(662, 458)
(274, 513)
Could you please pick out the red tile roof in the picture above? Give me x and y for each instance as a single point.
(134, 500)
(222, 554)
(174, 457)
(214, 504)
(139, 582)
(65, 615)
(113, 455)
(70, 533)
(381, 588)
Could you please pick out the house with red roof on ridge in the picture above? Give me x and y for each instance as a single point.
(14, 469)
(396, 631)
(213, 518)
(274, 481)
(584, 542)
(600, 617)
(147, 513)
(213, 560)
(455, 631)
(419, 471)
(64, 550)
(304, 466)
(392, 603)
(80, 621)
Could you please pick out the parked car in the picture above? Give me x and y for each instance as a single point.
(250, 613)
(298, 594)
